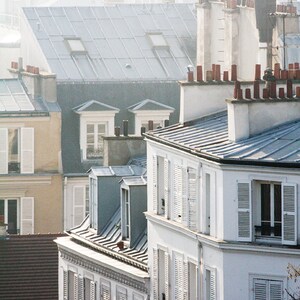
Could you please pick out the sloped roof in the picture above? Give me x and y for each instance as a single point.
(94, 105)
(29, 267)
(208, 137)
(149, 104)
(118, 171)
(119, 42)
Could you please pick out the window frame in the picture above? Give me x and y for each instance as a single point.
(18, 221)
(125, 205)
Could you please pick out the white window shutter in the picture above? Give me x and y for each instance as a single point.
(276, 290)
(289, 214)
(155, 275)
(75, 287)
(166, 186)
(177, 187)
(260, 289)
(178, 282)
(244, 211)
(27, 215)
(65, 285)
(167, 276)
(27, 150)
(213, 291)
(105, 291)
(186, 281)
(78, 204)
(3, 151)
(92, 290)
(80, 288)
(184, 189)
(192, 199)
(154, 178)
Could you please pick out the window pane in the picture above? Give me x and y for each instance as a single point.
(277, 209)
(90, 139)
(2, 211)
(90, 128)
(12, 216)
(101, 129)
(13, 150)
(265, 209)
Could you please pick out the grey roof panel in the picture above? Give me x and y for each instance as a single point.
(50, 25)
(94, 28)
(72, 14)
(48, 49)
(81, 30)
(64, 26)
(70, 68)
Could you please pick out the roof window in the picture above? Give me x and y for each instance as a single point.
(157, 39)
(75, 45)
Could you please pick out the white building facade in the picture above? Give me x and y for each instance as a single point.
(223, 210)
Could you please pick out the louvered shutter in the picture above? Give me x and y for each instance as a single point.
(92, 290)
(244, 212)
(154, 175)
(105, 291)
(80, 288)
(167, 276)
(184, 189)
(3, 151)
(178, 284)
(27, 215)
(260, 289)
(166, 186)
(185, 281)
(212, 292)
(137, 297)
(27, 150)
(78, 204)
(155, 275)
(289, 214)
(121, 294)
(65, 285)
(177, 187)
(75, 287)
(275, 290)
(192, 204)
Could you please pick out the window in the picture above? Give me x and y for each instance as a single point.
(207, 203)
(271, 210)
(71, 285)
(210, 284)
(157, 40)
(75, 46)
(192, 281)
(121, 293)
(87, 200)
(105, 293)
(18, 214)
(179, 277)
(125, 214)
(94, 202)
(267, 289)
(94, 140)
(16, 150)
(89, 289)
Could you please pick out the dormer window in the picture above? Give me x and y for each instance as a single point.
(96, 121)
(150, 110)
(125, 215)
(157, 40)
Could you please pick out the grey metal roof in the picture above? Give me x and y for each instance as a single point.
(115, 42)
(94, 105)
(117, 171)
(134, 180)
(149, 104)
(209, 137)
(107, 241)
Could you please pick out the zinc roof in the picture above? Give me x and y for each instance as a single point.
(119, 42)
(209, 137)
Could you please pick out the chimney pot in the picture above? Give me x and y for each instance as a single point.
(277, 70)
(209, 75)
(248, 93)
(298, 91)
(265, 93)
(199, 73)
(143, 130)
(217, 72)
(237, 86)
(257, 72)
(117, 131)
(256, 89)
(225, 76)
(298, 74)
(291, 71)
(289, 88)
(284, 74)
(273, 89)
(234, 73)
(150, 125)
(125, 127)
(239, 94)
(166, 123)
(281, 93)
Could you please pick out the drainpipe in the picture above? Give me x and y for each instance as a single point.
(65, 203)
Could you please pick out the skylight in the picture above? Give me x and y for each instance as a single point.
(76, 45)
(157, 40)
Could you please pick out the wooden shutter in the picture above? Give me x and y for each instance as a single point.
(289, 214)
(154, 175)
(27, 150)
(75, 287)
(192, 199)
(121, 294)
(244, 212)
(275, 290)
(184, 189)
(155, 274)
(260, 289)
(27, 215)
(80, 288)
(166, 186)
(3, 151)
(177, 187)
(65, 285)
(167, 276)
(78, 204)
(92, 290)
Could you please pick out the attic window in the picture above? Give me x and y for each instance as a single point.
(157, 40)
(75, 45)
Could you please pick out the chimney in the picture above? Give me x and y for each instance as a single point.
(249, 117)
